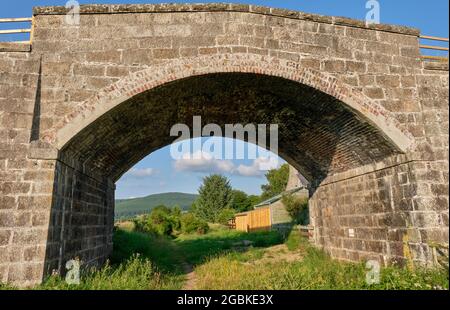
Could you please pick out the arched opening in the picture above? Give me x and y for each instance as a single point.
(319, 135)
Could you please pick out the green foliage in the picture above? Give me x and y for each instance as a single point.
(241, 201)
(134, 274)
(161, 221)
(139, 262)
(225, 215)
(190, 224)
(215, 194)
(254, 200)
(296, 207)
(142, 261)
(277, 180)
(160, 250)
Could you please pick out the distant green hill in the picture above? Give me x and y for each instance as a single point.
(126, 208)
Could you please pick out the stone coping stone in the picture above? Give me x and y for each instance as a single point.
(15, 47)
(223, 7)
(436, 65)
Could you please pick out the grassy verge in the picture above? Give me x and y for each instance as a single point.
(316, 271)
(144, 262)
(197, 249)
(138, 262)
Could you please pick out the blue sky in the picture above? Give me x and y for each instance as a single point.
(158, 172)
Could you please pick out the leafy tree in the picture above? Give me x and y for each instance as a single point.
(297, 207)
(215, 194)
(176, 210)
(277, 180)
(254, 200)
(241, 201)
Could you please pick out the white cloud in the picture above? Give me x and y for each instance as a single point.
(204, 162)
(141, 173)
(258, 167)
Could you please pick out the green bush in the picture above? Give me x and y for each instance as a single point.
(161, 221)
(297, 207)
(190, 224)
(225, 215)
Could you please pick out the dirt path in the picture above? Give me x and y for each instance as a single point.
(190, 277)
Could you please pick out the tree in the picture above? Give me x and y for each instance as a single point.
(215, 194)
(241, 201)
(254, 200)
(297, 208)
(277, 180)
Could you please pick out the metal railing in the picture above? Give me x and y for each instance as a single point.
(434, 48)
(18, 31)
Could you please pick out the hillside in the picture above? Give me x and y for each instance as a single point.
(131, 207)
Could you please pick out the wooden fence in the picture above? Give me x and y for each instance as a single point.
(433, 47)
(18, 31)
(255, 220)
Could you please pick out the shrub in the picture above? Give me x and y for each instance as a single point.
(161, 221)
(296, 206)
(143, 224)
(225, 215)
(190, 223)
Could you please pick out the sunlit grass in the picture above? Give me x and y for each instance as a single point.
(316, 271)
(146, 262)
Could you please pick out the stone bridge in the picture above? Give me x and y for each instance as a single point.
(361, 116)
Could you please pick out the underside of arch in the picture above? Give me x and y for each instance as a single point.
(125, 90)
(318, 133)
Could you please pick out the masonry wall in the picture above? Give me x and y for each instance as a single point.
(81, 220)
(26, 183)
(374, 216)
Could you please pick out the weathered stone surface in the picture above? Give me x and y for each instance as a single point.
(359, 113)
(14, 47)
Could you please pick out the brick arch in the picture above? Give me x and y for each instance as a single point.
(111, 96)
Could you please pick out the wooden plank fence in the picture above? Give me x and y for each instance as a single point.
(18, 31)
(255, 220)
(434, 48)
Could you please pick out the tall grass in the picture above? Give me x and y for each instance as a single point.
(139, 262)
(316, 271)
(135, 274)
(146, 262)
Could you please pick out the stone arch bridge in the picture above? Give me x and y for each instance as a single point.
(361, 115)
